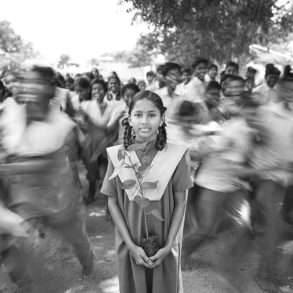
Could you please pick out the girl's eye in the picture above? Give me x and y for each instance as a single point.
(152, 115)
(138, 115)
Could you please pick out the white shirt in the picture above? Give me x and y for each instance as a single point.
(194, 90)
(277, 149)
(266, 94)
(216, 171)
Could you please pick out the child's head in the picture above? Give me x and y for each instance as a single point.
(233, 86)
(128, 92)
(98, 90)
(232, 68)
(272, 75)
(82, 87)
(69, 83)
(172, 74)
(146, 120)
(200, 68)
(213, 94)
(189, 113)
(114, 84)
(142, 85)
(35, 89)
(186, 74)
(213, 71)
(150, 76)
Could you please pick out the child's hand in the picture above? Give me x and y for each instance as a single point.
(158, 258)
(140, 256)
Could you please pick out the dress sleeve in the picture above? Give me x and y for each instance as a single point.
(109, 186)
(182, 179)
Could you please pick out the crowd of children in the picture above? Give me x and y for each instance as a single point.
(182, 157)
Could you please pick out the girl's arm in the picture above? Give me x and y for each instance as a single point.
(137, 252)
(178, 214)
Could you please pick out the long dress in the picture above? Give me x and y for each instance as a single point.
(167, 276)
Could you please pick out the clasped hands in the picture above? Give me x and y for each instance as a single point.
(141, 258)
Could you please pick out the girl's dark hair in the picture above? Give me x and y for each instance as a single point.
(130, 86)
(101, 82)
(200, 60)
(170, 66)
(83, 82)
(162, 133)
(47, 74)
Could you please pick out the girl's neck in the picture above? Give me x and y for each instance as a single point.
(145, 140)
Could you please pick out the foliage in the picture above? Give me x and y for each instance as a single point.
(138, 57)
(64, 60)
(220, 29)
(14, 50)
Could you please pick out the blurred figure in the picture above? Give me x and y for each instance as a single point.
(132, 80)
(128, 92)
(171, 73)
(82, 92)
(250, 78)
(142, 85)
(194, 90)
(40, 168)
(95, 73)
(274, 152)
(114, 89)
(151, 81)
(186, 75)
(267, 91)
(100, 126)
(212, 73)
(232, 68)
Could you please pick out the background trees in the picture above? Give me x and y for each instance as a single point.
(13, 49)
(219, 29)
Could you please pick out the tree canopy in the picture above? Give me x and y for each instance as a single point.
(14, 49)
(219, 29)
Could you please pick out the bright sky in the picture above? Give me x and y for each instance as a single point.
(81, 28)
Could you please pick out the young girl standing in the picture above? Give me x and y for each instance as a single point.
(147, 198)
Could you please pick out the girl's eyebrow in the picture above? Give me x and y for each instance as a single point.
(150, 111)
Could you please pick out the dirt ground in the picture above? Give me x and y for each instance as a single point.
(59, 270)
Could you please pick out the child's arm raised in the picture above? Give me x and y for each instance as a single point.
(137, 252)
(177, 217)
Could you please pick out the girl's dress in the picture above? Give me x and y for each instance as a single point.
(167, 276)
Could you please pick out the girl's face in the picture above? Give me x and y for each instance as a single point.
(212, 97)
(113, 85)
(173, 78)
(145, 119)
(128, 95)
(200, 71)
(83, 93)
(142, 85)
(98, 92)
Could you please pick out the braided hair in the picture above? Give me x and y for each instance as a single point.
(129, 136)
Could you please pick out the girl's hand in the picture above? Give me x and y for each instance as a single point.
(140, 256)
(158, 258)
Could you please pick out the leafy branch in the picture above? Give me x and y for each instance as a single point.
(144, 203)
